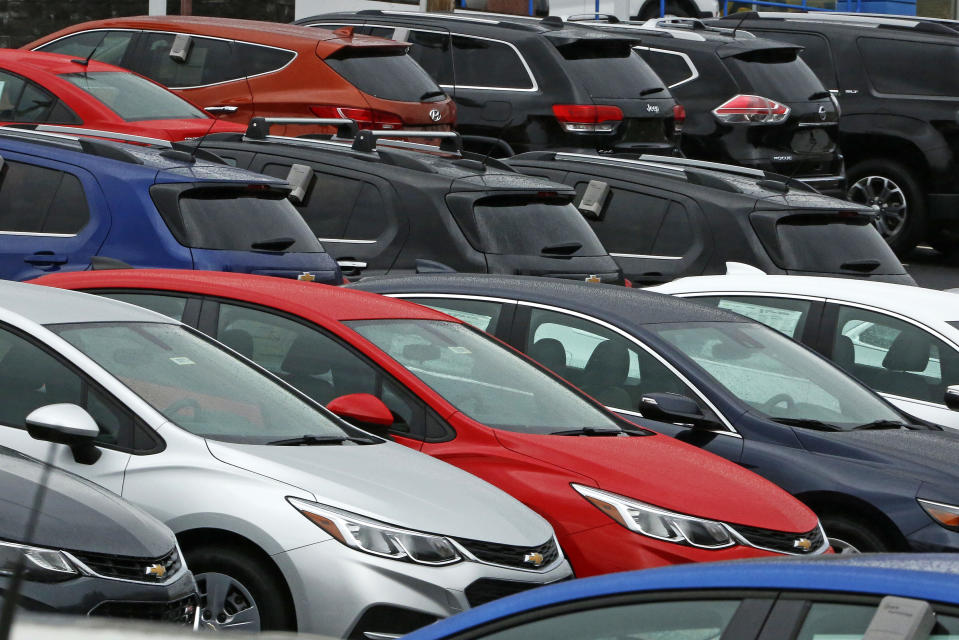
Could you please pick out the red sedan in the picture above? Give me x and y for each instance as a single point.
(47, 88)
(618, 497)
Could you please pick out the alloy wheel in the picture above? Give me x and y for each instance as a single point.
(841, 547)
(225, 604)
(886, 198)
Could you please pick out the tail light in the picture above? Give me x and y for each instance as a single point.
(364, 118)
(679, 117)
(627, 283)
(751, 109)
(588, 118)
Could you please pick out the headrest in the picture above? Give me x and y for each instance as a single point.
(909, 352)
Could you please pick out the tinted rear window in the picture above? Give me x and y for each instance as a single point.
(521, 227)
(804, 245)
(132, 97)
(611, 70)
(900, 67)
(391, 75)
(778, 74)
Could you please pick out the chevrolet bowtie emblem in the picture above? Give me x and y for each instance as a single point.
(156, 570)
(803, 543)
(306, 276)
(534, 558)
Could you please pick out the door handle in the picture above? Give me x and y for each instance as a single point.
(351, 266)
(45, 258)
(221, 109)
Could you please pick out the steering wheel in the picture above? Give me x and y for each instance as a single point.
(185, 403)
(780, 398)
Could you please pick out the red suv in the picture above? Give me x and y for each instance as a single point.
(619, 497)
(245, 68)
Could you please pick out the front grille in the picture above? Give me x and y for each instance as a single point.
(512, 556)
(126, 568)
(782, 541)
(182, 611)
(486, 590)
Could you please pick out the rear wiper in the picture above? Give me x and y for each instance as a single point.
(562, 248)
(432, 94)
(861, 265)
(588, 431)
(650, 91)
(274, 244)
(881, 424)
(320, 440)
(819, 95)
(808, 423)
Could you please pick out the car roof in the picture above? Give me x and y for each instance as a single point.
(684, 32)
(620, 305)
(42, 306)
(928, 576)
(307, 299)
(887, 25)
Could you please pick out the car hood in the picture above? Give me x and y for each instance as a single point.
(394, 484)
(76, 514)
(667, 473)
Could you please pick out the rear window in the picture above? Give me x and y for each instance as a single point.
(238, 220)
(900, 67)
(611, 70)
(133, 98)
(389, 74)
(854, 247)
(778, 74)
(523, 227)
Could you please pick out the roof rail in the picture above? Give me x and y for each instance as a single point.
(594, 17)
(259, 127)
(78, 143)
(365, 140)
(99, 133)
(612, 160)
(703, 164)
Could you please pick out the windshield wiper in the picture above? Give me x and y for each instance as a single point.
(650, 91)
(562, 248)
(881, 424)
(588, 431)
(320, 440)
(808, 423)
(861, 265)
(274, 244)
(432, 94)
(819, 95)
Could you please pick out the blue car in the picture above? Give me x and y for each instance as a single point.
(67, 202)
(834, 598)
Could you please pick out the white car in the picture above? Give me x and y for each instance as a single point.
(902, 341)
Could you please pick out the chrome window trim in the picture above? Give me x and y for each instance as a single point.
(76, 33)
(641, 255)
(347, 240)
(925, 403)
(39, 234)
(604, 160)
(732, 430)
(689, 64)
(751, 294)
(886, 312)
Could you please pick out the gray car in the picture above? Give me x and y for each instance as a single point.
(289, 517)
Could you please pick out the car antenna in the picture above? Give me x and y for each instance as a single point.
(492, 146)
(745, 14)
(12, 594)
(86, 61)
(216, 118)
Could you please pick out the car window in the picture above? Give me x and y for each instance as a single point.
(107, 46)
(170, 306)
(671, 66)
(432, 52)
(854, 244)
(488, 63)
(31, 378)
(600, 67)
(25, 101)
(368, 219)
(37, 199)
(256, 59)
(901, 67)
(601, 362)
(840, 621)
(523, 226)
(311, 361)
(385, 73)
(816, 52)
(208, 61)
(327, 202)
(894, 356)
(779, 74)
(692, 620)
(482, 314)
(786, 315)
(133, 98)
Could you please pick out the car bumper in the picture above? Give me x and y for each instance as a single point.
(610, 548)
(342, 593)
(104, 597)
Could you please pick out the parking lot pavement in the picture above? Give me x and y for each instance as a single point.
(932, 269)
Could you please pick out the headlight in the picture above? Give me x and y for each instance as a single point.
(658, 523)
(39, 565)
(945, 514)
(378, 538)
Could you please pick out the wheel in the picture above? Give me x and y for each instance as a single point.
(896, 196)
(848, 536)
(238, 592)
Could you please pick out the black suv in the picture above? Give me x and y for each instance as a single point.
(536, 84)
(388, 206)
(749, 101)
(895, 79)
(664, 218)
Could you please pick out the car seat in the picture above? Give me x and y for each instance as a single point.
(604, 375)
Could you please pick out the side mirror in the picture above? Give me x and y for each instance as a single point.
(672, 407)
(952, 397)
(66, 424)
(365, 411)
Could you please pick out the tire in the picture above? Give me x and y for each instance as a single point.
(895, 192)
(254, 597)
(848, 536)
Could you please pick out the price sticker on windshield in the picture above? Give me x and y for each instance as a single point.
(181, 360)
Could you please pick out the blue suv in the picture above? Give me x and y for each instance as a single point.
(67, 202)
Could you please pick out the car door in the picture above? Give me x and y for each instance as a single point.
(112, 46)
(902, 360)
(797, 317)
(53, 217)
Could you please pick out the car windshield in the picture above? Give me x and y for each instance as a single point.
(482, 379)
(778, 74)
(524, 227)
(133, 98)
(382, 72)
(855, 246)
(774, 375)
(199, 385)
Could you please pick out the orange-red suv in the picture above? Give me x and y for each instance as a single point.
(239, 69)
